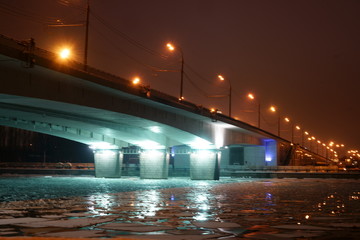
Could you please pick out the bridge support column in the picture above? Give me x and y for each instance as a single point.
(154, 164)
(108, 163)
(204, 164)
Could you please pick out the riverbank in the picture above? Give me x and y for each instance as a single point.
(252, 209)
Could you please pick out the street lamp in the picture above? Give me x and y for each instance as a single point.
(65, 53)
(310, 144)
(317, 146)
(230, 90)
(297, 127)
(292, 128)
(172, 48)
(273, 109)
(252, 98)
(304, 133)
(324, 150)
(136, 80)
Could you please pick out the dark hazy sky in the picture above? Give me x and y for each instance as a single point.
(302, 56)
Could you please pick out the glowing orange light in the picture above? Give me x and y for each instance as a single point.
(273, 109)
(170, 47)
(297, 127)
(136, 80)
(287, 119)
(221, 77)
(251, 96)
(65, 53)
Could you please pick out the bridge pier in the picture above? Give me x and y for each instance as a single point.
(204, 164)
(154, 164)
(108, 163)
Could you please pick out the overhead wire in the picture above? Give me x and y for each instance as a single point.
(142, 47)
(18, 12)
(124, 52)
(126, 37)
(196, 86)
(12, 10)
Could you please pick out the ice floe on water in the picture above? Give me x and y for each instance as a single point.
(231, 209)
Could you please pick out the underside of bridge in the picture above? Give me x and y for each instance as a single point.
(157, 147)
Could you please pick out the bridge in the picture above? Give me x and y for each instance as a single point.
(116, 118)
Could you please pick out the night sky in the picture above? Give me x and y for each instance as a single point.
(301, 56)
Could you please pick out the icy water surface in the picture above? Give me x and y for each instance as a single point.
(27, 188)
(189, 210)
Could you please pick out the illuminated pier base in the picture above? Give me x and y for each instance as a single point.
(204, 165)
(108, 163)
(154, 164)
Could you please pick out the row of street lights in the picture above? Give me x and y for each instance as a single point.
(66, 54)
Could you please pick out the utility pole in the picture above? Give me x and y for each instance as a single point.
(86, 35)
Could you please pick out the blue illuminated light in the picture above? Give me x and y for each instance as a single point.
(270, 150)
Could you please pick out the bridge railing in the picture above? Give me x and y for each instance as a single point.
(282, 169)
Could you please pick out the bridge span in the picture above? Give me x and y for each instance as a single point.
(110, 114)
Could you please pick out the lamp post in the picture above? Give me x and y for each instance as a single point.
(230, 91)
(172, 48)
(317, 146)
(273, 109)
(324, 150)
(304, 133)
(292, 128)
(252, 97)
(297, 127)
(312, 146)
(86, 35)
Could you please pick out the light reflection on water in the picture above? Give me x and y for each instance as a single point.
(101, 204)
(147, 203)
(249, 204)
(253, 204)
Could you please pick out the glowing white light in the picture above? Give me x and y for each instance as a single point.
(219, 133)
(102, 145)
(199, 143)
(148, 203)
(170, 47)
(203, 154)
(149, 144)
(155, 129)
(107, 153)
